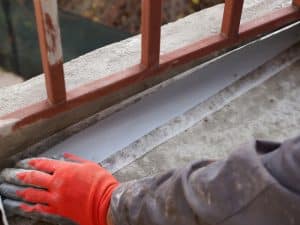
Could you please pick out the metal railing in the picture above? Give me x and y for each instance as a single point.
(152, 63)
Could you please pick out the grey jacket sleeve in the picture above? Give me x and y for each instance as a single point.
(247, 188)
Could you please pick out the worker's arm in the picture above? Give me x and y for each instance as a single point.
(257, 184)
(250, 187)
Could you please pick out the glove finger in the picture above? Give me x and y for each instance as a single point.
(75, 158)
(10, 191)
(43, 164)
(35, 178)
(30, 195)
(26, 177)
(34, 195)
(35, 212)
(10, 175)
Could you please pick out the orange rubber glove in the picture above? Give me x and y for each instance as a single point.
(76, 189)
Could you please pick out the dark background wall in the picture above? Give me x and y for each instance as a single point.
(19, 51)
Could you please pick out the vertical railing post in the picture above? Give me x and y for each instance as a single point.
(232, 18)
(46, 12)
(151, 32)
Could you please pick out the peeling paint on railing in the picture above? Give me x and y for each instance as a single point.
(53, 38)
(46, 12)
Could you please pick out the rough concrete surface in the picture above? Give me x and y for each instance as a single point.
(118, 56)
(269, 111)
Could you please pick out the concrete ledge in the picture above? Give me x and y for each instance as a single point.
(169, 146)
(115, 120)
(103, 62)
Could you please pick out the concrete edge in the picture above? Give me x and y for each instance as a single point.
(176, 125)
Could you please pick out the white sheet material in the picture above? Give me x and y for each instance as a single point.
(3, 214)
(122, 128)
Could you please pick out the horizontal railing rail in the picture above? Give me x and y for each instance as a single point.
(152, 62)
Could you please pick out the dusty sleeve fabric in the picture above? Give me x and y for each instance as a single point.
(257, 184)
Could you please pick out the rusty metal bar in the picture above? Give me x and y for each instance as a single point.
(46, 13)
(232, 17)
(151, 31)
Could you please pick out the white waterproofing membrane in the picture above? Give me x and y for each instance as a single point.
(122, 128)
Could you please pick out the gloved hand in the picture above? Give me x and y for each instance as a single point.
(53, 190)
